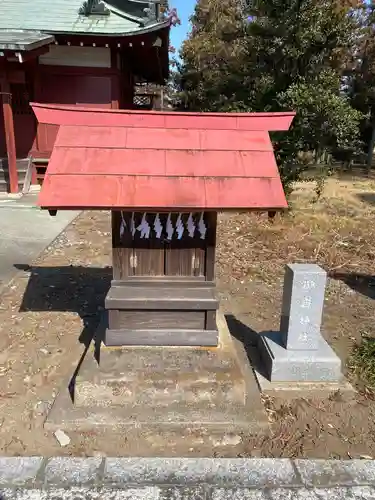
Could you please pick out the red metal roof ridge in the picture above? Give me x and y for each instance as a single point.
(163, 176)
(150, 148)
(83, 109)
(85, 116)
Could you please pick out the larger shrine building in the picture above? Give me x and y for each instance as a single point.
(71, 52)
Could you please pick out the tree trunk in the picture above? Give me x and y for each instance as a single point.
(371, 146)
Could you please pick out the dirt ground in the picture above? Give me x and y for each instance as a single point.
(47, 312)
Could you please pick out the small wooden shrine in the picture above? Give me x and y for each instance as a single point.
(164, 176)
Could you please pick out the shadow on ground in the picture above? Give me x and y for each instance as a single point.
(68, 289)
(81, 290)
(354, 173)
(249, 338)
(341, 172)
(368, 198)
(362, 283)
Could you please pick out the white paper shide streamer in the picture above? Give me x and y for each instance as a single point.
(202, 227)
(179, 227)
(144, 227)
(122, 226)
(191, 226)
(132, 225)
(169, 227)
(158, 228)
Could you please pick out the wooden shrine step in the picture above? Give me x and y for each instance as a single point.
(155, 298)
(163, 319)
(22, 165)
(165, 282)
(161, 315)
(160, 337)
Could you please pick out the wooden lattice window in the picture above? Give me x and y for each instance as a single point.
(143, 101)
(21, 97)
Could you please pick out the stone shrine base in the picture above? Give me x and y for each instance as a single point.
(164, 401)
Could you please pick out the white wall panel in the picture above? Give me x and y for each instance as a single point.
(67, 55)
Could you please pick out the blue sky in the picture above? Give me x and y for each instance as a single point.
(184, 8)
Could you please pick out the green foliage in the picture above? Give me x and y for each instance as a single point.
(325, 118)
(212, 57)
(212, 73)
(361, 79)
(319, 186)
(362, 362)
(276, 56)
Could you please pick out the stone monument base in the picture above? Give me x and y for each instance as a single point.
(166, 401)
(285, 371)
(287, 365)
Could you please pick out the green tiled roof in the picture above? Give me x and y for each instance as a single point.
(23, 40)
(62, 16)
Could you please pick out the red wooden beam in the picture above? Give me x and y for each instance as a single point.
(9, 136)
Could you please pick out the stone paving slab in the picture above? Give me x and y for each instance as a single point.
(154, 493)
(75, 478)
(25, 232)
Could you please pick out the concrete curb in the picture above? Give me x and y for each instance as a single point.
(183, 478)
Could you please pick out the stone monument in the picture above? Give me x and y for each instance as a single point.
(298, 352)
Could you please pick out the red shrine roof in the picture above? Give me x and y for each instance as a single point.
(110, 159)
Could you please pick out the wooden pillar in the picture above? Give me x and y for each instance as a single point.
(9, 136)
(34, 177)
(115, 80)
(127, 83)
(37, 97)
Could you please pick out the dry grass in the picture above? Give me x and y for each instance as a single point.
(362, 364)
(336, 232)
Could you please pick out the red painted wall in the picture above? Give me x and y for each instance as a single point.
(79, 87)
(20, 83)
(102, 87)
(25, 125)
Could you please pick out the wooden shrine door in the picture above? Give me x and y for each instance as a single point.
(171, 245)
